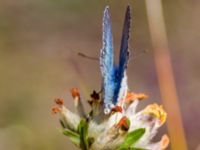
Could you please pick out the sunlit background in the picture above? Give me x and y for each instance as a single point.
(39, 42)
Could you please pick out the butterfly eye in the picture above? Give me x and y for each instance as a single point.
(108, 108)
(107, 111)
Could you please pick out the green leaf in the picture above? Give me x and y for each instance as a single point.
(132, 138)
(74, 137)
(90, 141)
(83, 132)
(135, 148)
(62, 124)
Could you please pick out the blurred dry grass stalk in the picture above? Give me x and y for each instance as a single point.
(165, 74)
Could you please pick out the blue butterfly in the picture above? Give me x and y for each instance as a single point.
(114, 75)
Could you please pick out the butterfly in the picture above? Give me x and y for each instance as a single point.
(114, 84)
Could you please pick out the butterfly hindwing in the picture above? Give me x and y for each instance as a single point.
(121, 86)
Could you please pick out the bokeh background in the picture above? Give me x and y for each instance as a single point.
(39, 42)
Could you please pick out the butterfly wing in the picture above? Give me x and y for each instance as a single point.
(106, 60)
(121, 85)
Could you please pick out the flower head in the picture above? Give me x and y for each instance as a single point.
(109, 131)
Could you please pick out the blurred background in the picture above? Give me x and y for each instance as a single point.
(39, 42)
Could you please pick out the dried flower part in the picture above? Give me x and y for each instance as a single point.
(95, 95)
(95, 99)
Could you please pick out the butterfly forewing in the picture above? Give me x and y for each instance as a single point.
(106, 60)
(124, 53)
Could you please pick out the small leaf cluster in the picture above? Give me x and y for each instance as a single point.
(80, 137)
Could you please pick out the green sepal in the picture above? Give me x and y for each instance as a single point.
(90, 141)
(83, 132)
(62, 124)
(74, 137)
(135, 148)
(131, 138)
(128, 122)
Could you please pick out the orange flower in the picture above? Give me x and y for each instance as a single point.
(75, 92)
(59, 101)
(157, 111)
(55, 110)
(124, 123)
(164, 142)
(117, 109)
(133, 96)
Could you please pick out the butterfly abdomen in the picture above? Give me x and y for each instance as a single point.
(109, 88)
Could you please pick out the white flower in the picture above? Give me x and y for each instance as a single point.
(109, 131)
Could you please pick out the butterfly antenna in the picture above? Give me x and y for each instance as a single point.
(140, 54)
(88, 57)
(101, 90)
